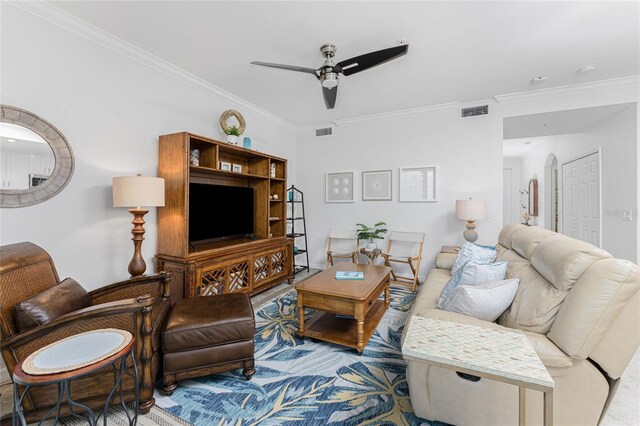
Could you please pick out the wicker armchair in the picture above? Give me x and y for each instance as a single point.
(139, 305)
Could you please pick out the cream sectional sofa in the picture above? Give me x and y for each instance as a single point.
(580, 309)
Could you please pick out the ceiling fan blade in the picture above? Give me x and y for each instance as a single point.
(369, 60)
(329, 96)
(287, 67)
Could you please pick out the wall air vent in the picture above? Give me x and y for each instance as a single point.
(324, 131)
(474, 111)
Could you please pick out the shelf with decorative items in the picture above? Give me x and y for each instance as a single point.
(238, 258)
(297, 228)
(277, 210)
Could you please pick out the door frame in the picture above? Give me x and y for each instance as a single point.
(598, 151)
(512, 188)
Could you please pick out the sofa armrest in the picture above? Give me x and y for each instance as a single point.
(445, 260)
(155, 285)
(548, 352)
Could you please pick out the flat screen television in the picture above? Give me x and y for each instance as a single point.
(217, 211)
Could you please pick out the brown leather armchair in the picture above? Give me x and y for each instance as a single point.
(139, 305)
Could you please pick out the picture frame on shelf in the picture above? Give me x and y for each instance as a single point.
(377, 185)
(237, 168)
(418, 184)
(225, 166)
(339, 187)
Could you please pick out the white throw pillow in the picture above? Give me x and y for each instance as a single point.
(475, 252)
(486, 301)
(473, 273)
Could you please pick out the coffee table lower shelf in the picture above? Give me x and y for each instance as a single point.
(343, 331)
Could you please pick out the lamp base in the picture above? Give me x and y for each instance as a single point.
(470, 234)
(137, 266)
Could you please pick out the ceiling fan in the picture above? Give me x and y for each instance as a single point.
(328, 73)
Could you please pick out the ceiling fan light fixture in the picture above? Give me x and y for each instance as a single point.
(329, 73)
(329, 80)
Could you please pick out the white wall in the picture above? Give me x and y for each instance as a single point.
(468, 156)
(565, 98)
(112, 111)
(533, 163)
(515, 164)
(617, 140)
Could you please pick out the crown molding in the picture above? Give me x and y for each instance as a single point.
(431, 109)
(574, 89)
(72, 23)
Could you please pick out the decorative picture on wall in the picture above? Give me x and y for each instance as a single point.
(418, 184)
(376, 185)
(340, 187)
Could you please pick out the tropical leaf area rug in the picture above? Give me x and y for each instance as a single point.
(305, 382)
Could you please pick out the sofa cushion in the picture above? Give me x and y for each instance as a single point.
(205, 321)
(445, 260)
(429, 292)
(593, 304)
(486, 301)
(526, 239)
(473, 273)
(474, 252)
(515, 263)
(507, 233)
(44, 307)
(536, 303)
(548, 352)
(562, 260)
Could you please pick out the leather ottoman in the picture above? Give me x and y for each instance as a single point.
(206, 335)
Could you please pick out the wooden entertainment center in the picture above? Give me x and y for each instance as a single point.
(240, 264)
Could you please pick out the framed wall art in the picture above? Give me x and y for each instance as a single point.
(340, 187)
(376, 185)
(418, 184)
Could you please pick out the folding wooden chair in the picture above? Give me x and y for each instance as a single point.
(411, 239)
(340, 235)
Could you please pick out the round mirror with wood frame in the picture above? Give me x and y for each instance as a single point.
(40, 187)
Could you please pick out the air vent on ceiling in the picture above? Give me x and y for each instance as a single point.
(474, 111)
(324, 131)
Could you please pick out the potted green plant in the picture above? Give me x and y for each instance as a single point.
(376, 232)
(233, 134)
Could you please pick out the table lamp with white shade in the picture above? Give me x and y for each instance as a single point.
(138, 192)
(471, 210)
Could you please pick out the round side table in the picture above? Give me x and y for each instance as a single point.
(71, 358)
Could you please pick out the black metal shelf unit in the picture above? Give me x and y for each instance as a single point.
(298, 231)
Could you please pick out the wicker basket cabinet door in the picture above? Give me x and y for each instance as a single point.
(231, 276)
(270, 265)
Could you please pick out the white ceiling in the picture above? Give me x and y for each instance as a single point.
(459, 51)
(524, 133)
(559, 122)
(515, 148)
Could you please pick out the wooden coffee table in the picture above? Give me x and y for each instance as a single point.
(356, 298)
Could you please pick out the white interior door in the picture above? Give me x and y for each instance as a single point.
(581, 198)
(507, 196)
